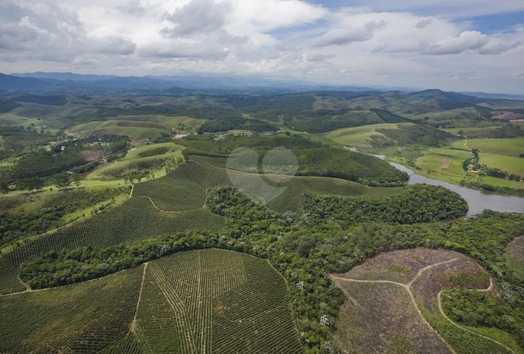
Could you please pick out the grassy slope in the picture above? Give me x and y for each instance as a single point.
(446, 164)
(133, 161)
(360, 136)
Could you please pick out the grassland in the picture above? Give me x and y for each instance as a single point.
(360, 137)
(447, 164)
(374, 305)
(215, 301)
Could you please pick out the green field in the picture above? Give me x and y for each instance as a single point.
(142, 163)
(136, 131)
(186, 188)
(447, 164)
(360, 137)
(201, 301)
(215, 301)
(139, 128)
(509, 147)
(136, 219)
(84, 318)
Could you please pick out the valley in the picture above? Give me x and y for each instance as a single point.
(220, 223)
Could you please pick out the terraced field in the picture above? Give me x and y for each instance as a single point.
(400, 292)
(215, 301)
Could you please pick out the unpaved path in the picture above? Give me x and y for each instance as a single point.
(407, 287)
(132, 327)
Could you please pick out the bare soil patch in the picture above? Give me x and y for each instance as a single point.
(400, 266)
(393, 302)
(380, 318)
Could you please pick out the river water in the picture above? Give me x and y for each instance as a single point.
(477, 201)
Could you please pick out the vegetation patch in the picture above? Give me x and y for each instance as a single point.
(515, 257)
(415, 204)
(142, 163)
(84, 318)
(216, 301)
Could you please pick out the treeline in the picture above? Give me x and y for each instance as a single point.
(16, 224)
(478, 309)
(62, 164)
(415, 204)
(302, 249)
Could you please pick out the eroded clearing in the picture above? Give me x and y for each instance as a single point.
(393, 303)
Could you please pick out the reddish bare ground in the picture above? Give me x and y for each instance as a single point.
(387, 295)
(505, 115)
(462, 273)
(93, 155)
(380, 318)
(400, 266)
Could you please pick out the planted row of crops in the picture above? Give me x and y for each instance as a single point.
(216, 301)
(136, 219)
(84, 318)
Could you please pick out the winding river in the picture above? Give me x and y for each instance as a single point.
(477, 201)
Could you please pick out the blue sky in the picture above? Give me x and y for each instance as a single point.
(461, 45)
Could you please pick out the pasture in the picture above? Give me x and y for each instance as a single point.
(447, 164)
(360, 137)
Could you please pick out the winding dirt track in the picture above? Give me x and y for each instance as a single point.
(407, 287)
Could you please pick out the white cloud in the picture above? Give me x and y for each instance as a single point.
(283, 38)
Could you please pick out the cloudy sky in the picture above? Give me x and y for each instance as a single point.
(448, 44)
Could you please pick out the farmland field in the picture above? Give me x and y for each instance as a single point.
(359, 137)
(400, 291)
(134, 220)
(210, 301)
(145, 162)
(215, 301)
(83, 318)
(447, 164)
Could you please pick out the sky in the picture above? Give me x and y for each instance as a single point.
(460, 45)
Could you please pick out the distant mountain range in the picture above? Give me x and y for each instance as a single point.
(71, 83)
